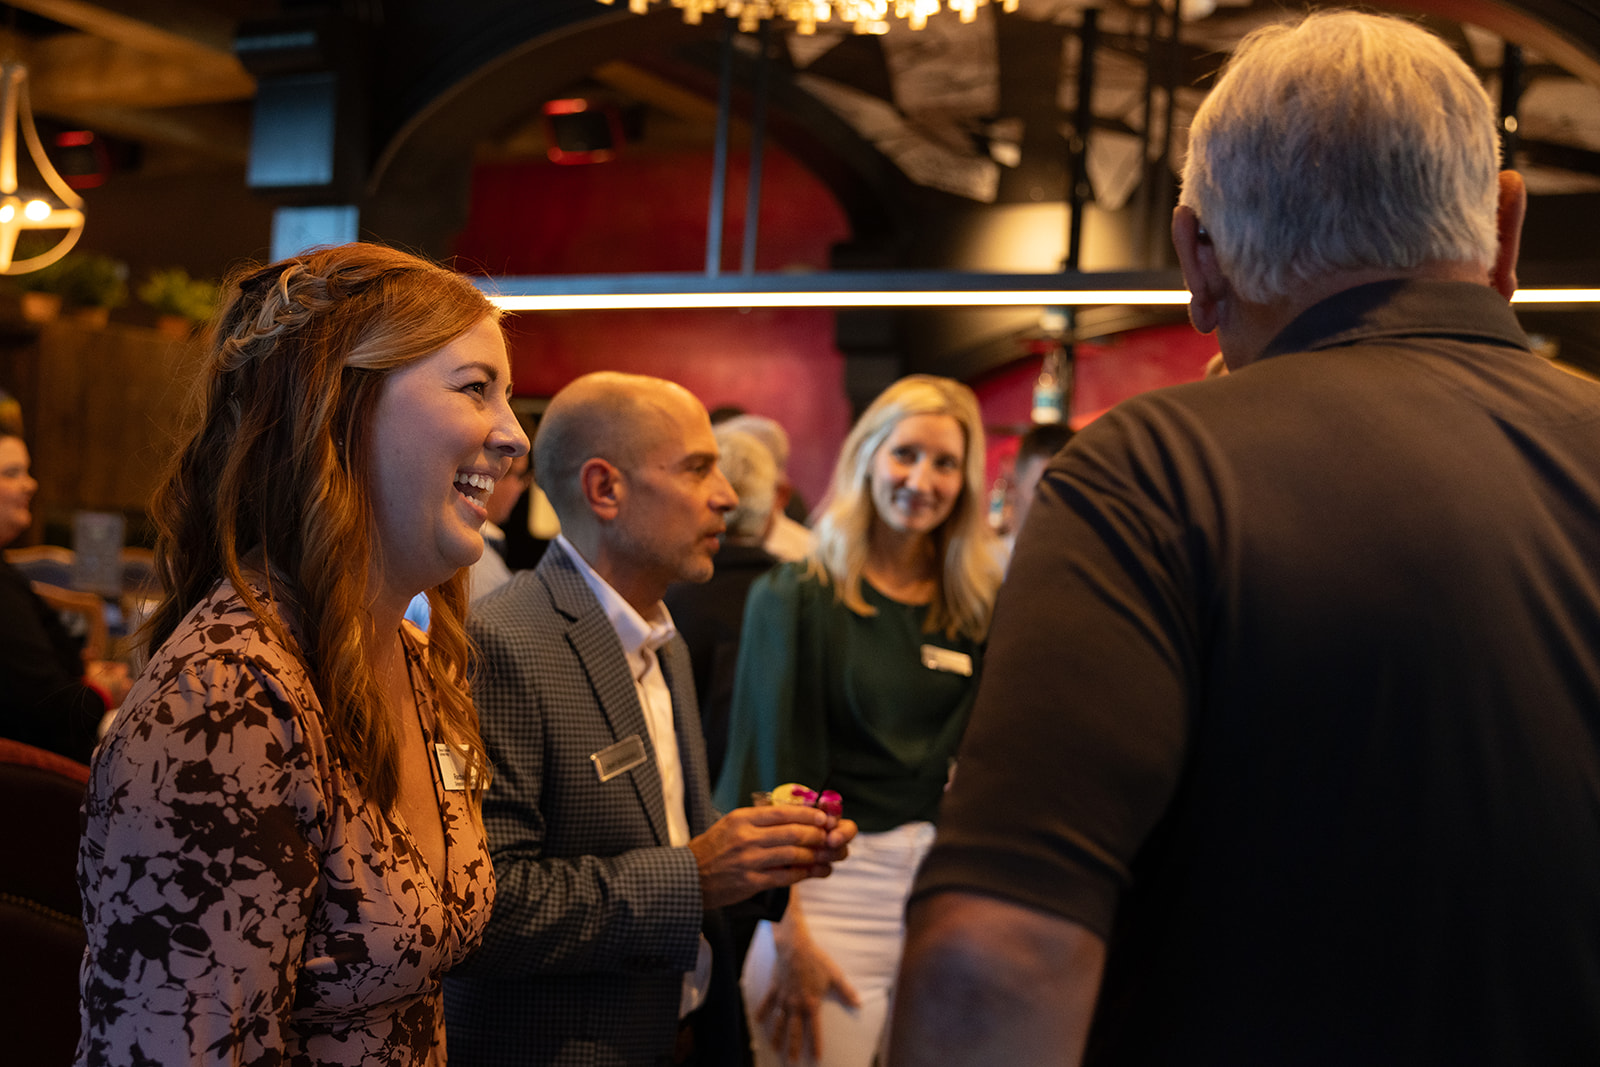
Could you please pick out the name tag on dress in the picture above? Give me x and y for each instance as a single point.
(452, 771)
(946, 659)
(619, 758)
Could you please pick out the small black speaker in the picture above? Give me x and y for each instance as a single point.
(582, 131)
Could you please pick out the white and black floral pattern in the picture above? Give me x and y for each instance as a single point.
(244, 903)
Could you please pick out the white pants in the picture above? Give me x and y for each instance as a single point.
(856, 916)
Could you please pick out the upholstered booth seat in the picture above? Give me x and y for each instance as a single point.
(40, 920)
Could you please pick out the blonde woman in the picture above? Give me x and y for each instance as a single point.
(283, 850)
(857, 668)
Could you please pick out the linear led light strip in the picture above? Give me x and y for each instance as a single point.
(601, 301)
(1043, 298)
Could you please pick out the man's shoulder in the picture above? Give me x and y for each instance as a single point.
(518, 598)
(548, 596)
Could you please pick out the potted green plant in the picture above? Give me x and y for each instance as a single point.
(179, 301)
(38, 293)
(91, 284)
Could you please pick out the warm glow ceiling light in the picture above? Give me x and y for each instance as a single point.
(17, 212)
(863, 16)
(846, 289)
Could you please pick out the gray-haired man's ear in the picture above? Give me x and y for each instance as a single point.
(1508, 223)
(1208, 289)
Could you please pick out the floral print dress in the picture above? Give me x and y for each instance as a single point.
(244, 904)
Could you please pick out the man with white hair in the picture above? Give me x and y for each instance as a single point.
(1286, 746)
(786, 538)
(710, 615)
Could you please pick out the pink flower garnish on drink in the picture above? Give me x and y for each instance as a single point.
(827, 801)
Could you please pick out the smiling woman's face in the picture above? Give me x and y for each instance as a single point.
(16, 489)
(443, 435)
(916, 473)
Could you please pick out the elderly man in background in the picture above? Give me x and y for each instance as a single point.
(709, 614)
(1286, 746)
(608, 855)
(787, 538)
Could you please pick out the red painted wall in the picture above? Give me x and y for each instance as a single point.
(648, 213)
(1107, 373)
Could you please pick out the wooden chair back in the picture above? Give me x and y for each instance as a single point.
(97, 632)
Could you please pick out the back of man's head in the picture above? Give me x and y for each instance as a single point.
(753, 473)
(1343, 142)
(1042, 442)
(768, 432)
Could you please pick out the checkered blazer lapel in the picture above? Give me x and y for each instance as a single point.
(595, 642)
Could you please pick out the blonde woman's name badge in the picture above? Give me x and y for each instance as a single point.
(452, 771)
(946, 659)
(619, 758)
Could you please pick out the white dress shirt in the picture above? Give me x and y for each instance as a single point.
(640, 639)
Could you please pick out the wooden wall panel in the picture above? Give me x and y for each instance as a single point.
(102, 409)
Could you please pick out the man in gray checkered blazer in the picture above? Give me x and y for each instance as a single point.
(607, 851)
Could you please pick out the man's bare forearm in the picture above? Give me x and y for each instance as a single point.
(986, 981)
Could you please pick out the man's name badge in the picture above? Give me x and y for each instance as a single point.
(452, 770)
(946, 659)
(619, 758)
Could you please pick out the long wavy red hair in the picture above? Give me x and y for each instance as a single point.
(274, 480)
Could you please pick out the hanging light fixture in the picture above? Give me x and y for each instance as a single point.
(29, 210)
(863, 16)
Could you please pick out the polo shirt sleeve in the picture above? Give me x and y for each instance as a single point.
(1077, 738)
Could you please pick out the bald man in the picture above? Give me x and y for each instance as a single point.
(607, 851)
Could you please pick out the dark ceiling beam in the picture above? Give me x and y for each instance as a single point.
(150, 70)
(1565, 32)
(219, 132)
(665, 95)
(76, 70)
(1561, 156)
(875, 194)
(1030, 73)
(1197, 67)
(179, 31)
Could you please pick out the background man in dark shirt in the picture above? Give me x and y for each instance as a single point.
(1285, 751)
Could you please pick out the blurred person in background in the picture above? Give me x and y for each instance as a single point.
(491, 571)
(857, 668)
(49, 696)
(710, 614)
(787, 538)
(1038, 446)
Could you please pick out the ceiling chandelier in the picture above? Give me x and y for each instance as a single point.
(863, 16)
(28, 209)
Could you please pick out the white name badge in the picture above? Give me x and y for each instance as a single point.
(619, 758)
(452, 770)
(946, 659)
